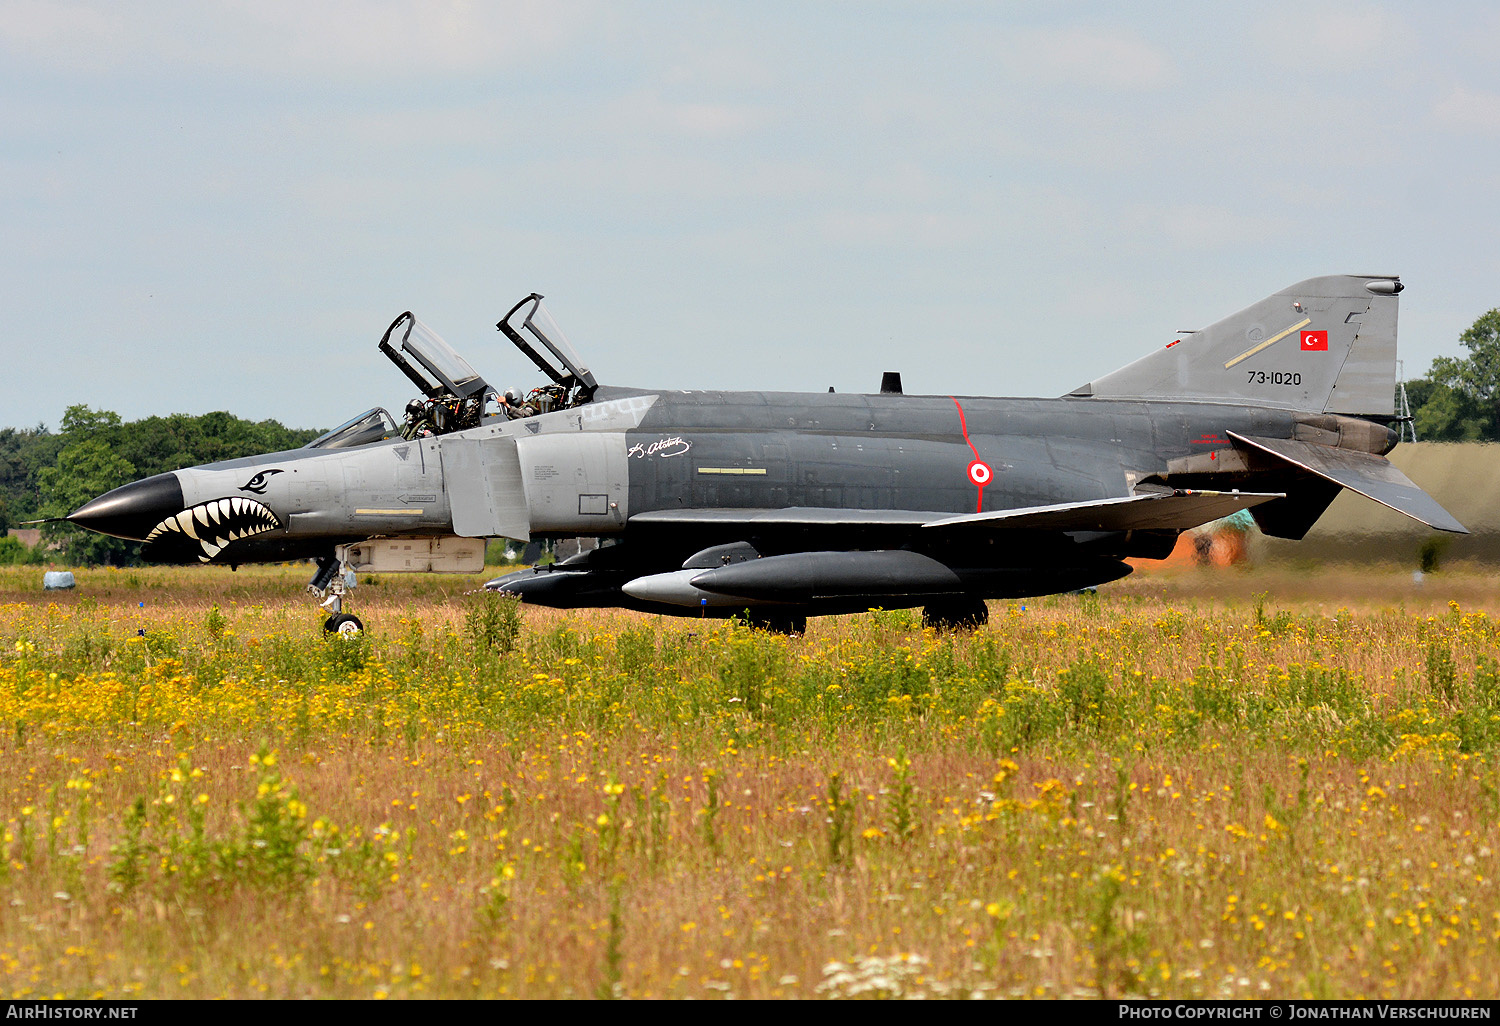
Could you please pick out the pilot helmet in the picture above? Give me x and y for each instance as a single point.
(414, 408)
(513, 396)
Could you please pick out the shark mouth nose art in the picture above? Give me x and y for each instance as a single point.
(214, 525)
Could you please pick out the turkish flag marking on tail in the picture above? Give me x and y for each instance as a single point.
(1315, 341)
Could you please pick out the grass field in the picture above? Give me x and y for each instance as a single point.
(1268, 783)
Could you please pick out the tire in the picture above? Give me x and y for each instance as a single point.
(343, 624)
(959, 614)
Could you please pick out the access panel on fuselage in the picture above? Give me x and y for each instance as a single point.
(575, 482)
(485, 487)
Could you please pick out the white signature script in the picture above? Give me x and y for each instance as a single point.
(662, 447)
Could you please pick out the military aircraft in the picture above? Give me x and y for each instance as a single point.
(787, 505)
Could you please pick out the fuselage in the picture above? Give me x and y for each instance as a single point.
(587, 471)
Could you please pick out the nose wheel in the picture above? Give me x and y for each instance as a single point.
(345, 624)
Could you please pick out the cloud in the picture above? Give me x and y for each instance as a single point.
(1203, 226)
(70, 35)
(1334, 38)
(397, 39)
(1463, 109)
(1083, 56)
(923, 229)
(649, 112)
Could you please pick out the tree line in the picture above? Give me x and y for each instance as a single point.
(1458, 399)
(47, 474)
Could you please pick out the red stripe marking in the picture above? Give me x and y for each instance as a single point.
(964, 424)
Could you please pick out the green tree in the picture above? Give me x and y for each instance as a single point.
(1443, 413)
(88, 465)
(23, 453)
(160, 444)
(1459, 398)
(52, 475)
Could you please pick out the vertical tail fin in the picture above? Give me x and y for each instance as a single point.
(1325, 345)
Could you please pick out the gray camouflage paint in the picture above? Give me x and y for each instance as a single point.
(1278, 400)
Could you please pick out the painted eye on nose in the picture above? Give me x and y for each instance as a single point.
(257, 484)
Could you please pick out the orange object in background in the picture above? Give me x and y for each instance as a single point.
(1224, 547)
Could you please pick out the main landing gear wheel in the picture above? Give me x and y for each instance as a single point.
(959, 614)
(345, 624)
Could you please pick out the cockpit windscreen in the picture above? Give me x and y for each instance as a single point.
(371, 426)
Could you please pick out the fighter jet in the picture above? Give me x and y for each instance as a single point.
(782, 505)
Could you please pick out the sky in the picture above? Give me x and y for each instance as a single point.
(222, 204)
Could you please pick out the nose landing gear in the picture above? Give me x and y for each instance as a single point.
(328, 585)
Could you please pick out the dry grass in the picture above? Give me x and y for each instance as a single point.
(1175, 787)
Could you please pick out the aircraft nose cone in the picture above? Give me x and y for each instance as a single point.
(132, 510)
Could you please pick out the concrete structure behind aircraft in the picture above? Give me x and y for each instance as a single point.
(790, 505)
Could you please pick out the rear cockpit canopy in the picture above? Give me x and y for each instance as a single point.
(535, 333)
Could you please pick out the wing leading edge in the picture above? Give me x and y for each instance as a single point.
(1149, 511)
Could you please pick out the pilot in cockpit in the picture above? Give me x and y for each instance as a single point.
(515, 406)
(419, 423)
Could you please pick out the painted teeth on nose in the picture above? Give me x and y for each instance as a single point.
(216, 524)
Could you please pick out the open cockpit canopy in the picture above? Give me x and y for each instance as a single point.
(455, 397)
(535, 333)
(430, 363)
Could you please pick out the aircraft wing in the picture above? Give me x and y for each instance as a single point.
(1369, 475)
(789, 517)
(1151, 511)
(1154, 511)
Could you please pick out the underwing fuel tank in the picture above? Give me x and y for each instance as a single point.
(859, 579)
(544, 586)
(589, 579)
(677, 589)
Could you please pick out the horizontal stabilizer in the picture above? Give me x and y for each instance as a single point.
(1371, 476)
(1155, 511)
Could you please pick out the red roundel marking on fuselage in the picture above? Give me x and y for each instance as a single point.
(979, 471)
